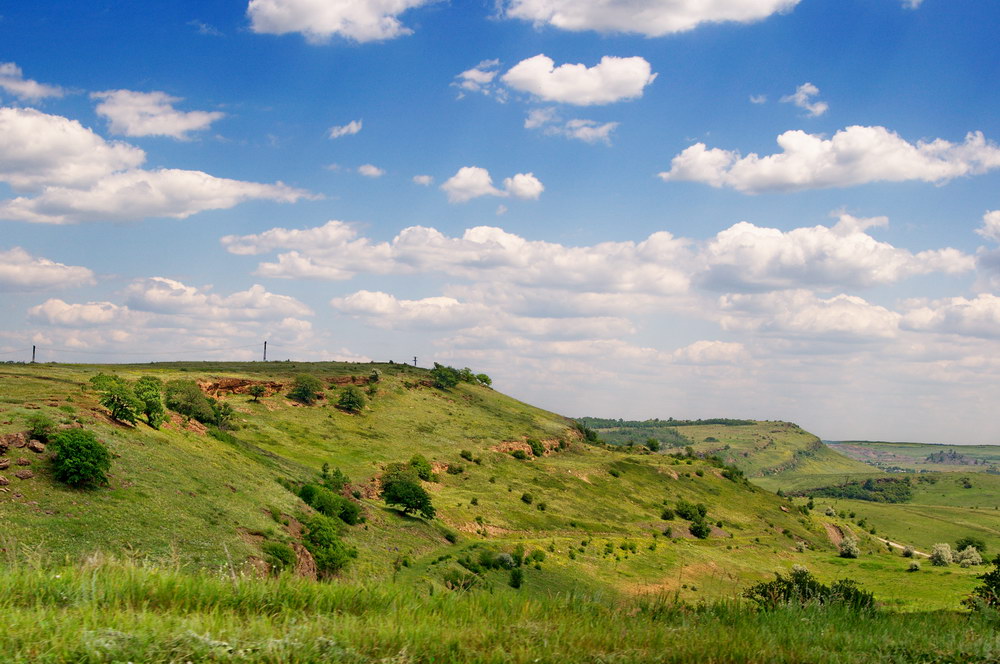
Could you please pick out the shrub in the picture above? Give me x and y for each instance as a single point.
(80, 459)
(614, 472)
(536, 447)
(456, 579)
(526, 498)
(278, 555)
(326, 502)
(306, 389)
(914, 566)
(466, 454)
(40, 427)
(422, 467)
(484, 380)
(801, 588)
(351, 400)
(691, 511)
(375, 376)
(987, 595)
(186, 398)
(941, 555)
(830, 511)
(520, 455)
(700, 529)
(516, 577)
(653, 445)
(849, 548)
(977, 542)
(909, 551)
(455, 469)
(335, 480)
(667, 514)
(968, 557)
(324, 543)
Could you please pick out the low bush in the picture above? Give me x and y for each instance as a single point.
(351, 400)
(914, 567)
(968, 557)
(941, 555)
(527, 498)
(278, 555)
(516, 578)
(520, 455)
(80, 459)
(700, 529)
(801, 588)
(324, 543)
(987, 595)
(466, 454)
(536, 447)
(306, 389)
(848, 548)
(40, 427)
(422, 467)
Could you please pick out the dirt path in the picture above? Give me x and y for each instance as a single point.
(897, 545)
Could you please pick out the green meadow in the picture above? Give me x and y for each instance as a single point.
(169, 561)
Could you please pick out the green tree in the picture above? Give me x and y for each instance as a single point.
(186, 398)
(80, 459)
(148, 390)
(121, 402)
(986, 595)
(444, 377)
(483, 379)
(257, 391)
(401, 487)
(351, 400)
(306, 389)
(976, 542)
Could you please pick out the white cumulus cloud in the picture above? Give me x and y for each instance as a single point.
(991, 226)
(803, 98)
(370, 171)
(423, 180)
(318, 20)
(131, 113)
(349, 129)
(138, 194)
(746, 257)
(38, 149)
(20, 271)
(976, 317)
(13, 82)
(800, 313)
(853, 156)
(613, 79)
(652, 18)
(473, 181)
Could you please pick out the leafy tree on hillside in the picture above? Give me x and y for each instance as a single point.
(257, 391)
(483, 379)
(306, 389)
(186, 398)
(121, 402)
(148, 390)
(444, 377)
(941, 555)
(80, 459)
(401, 487)
(422, 467)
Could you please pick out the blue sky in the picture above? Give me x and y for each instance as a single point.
(782, 209)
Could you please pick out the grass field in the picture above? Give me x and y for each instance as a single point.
(114, 612)
(196, 504)
(922, 457)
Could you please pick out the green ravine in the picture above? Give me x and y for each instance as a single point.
(185, 503)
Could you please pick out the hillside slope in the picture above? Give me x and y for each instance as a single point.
(593, 517)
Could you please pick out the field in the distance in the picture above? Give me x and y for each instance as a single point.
(924, 457)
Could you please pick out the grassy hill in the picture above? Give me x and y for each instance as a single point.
(195, 498)
(771, 453)
(922, 457)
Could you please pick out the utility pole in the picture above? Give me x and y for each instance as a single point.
(414, 360)
(265, 351)
(33, 354)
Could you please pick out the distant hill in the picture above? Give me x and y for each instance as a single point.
(921, 457)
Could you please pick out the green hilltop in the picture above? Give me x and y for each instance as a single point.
(583, 517)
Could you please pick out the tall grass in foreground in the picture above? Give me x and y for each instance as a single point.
(118, 612)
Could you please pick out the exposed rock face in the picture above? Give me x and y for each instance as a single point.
(21, 461)
(36, 446)
(24, 474)
(238, 386)
(4, 481)
(4, 464)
